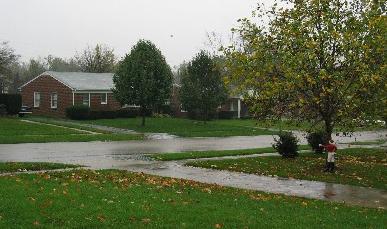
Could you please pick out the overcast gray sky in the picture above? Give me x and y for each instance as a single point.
(62, 27)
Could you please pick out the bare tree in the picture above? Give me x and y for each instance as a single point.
(98, 59)
(7, 58)
(59, 64)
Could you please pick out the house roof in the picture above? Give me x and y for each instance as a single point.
(82, 81)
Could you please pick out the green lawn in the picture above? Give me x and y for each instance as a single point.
(216, 128)
(295, 125)
(63, 122)
(15, 127)
(362, 167)
(210, 154)
(6, 167)
(13, 130)
(186, 127)
(116, 199)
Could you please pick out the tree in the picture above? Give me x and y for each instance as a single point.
(99, 59)
(202, 88)
(143, 78)
(16, 77)
(7, 58)
(35, 67)
(61, 65)
(321, 61)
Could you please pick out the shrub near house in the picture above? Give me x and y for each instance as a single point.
(82, 112)
(11, 102)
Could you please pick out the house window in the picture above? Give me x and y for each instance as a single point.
(54, 100)
(104, 98)
(85, 99)
(232, 107)
(36, 99)
(181, 109)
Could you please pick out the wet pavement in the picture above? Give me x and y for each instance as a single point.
(130, 156)
(352, 195)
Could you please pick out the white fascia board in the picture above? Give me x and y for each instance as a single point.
(92, 92)
(45, 74)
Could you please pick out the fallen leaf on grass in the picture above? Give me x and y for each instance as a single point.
(46, 176)
(259, 197)
(101, 218)
(218, 225)
(207, 190)
(146, 220)
(133, 218)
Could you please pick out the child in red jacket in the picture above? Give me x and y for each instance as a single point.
(331, 150)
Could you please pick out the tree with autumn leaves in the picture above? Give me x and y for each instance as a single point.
(314, 60)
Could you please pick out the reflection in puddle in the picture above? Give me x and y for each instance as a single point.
(329, 191)
(126, 157)
(160, 136)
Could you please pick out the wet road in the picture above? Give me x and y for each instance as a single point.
(86, 151)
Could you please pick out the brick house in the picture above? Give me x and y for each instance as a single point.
(236, 105)
(233, 104)
(51, 93)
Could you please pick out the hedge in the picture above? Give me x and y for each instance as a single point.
(78, 112)
(227, 114)
(12, 101)
(82, 112)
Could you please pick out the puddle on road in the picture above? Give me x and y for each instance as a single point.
(160, 136)
(125, 157)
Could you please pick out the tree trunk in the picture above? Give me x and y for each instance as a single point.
(328, 129)
(143, 112)
(143, 120)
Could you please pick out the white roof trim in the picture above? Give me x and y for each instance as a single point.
(45, 74)
(92, 92)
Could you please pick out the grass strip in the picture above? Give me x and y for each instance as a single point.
(7, 167)
(211, 154)
(361, 167)
(378, 142)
